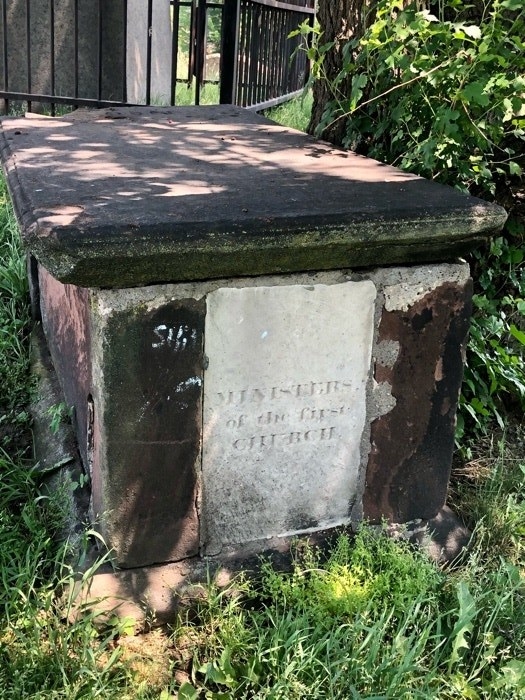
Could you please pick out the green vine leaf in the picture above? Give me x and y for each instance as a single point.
(516, 333)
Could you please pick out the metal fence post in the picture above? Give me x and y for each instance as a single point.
(229, 51)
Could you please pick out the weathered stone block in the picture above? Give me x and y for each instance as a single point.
(149, 195)
(148, 387)
(134, 375)
(421, 338)
(219, 413)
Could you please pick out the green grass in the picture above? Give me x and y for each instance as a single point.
(374, 620)
(294, 113)
(14, 319)
(41, 655)
(185, 94)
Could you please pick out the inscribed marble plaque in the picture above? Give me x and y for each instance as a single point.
(284, 408)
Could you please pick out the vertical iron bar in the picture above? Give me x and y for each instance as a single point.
(255, 54)
(252, 78)
(286, 71)
(248, 55)
(204, 45)
(230, 30)
(287, 65)
(299, 64)
(75, 46)
(175, 4)
(299, 59)
(243, 52)
(295, 62)
(52, 51)
(202, 17)
(266, 54)
(277, 84)
(282, 53)
(272, 65)
(198, 52)
(99, 57)
(125, 50)
(148, 52)
(28, 49)
(260, 52)
(191, 52)
(4, 38)
(277, 54)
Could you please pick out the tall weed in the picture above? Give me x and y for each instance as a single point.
(14, 320)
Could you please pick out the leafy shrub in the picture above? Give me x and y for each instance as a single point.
(442, 98)
(494, 381)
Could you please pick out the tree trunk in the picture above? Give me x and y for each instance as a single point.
(339, 21)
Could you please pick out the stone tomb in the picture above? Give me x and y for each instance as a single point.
(261, 335)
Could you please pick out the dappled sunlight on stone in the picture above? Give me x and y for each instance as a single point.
(257, 172)
(187, 189)
(61, 216)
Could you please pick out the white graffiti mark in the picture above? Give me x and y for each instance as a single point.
(144, 410)
(186, 384)
(159, 332)
(177, 338)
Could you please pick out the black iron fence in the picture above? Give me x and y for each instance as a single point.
(114, 52)
(268, 66)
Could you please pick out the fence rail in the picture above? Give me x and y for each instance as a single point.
(98, 54)
(271, 64)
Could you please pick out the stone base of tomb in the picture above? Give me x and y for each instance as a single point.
(213, 414)
(154, 595)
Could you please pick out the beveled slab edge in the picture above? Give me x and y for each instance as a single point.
(102, 255)
(233, 253)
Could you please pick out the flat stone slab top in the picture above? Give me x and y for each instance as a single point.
(133, 196)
